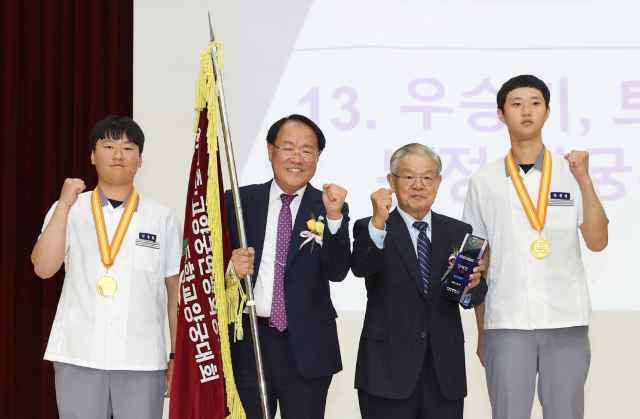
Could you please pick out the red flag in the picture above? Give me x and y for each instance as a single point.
(198, 386)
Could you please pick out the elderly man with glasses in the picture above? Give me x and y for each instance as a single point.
(291, 257)
(411, 358)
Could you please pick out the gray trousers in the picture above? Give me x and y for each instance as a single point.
(559, 357)
(88, 393)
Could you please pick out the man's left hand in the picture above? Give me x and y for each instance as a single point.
(579, 164)
(477, 273)
(333, 197)
(168, 376)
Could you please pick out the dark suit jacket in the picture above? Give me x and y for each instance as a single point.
(398, 317)
(310, 312)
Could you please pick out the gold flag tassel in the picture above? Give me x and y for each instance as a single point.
(206, 96)
(235, 305)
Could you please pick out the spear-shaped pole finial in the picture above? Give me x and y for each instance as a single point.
(213, 38)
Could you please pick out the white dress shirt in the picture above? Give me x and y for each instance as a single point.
(525, 292)
(263, 290)
(124, 331)
(378, 236)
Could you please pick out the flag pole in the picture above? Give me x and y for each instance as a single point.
(241, 228)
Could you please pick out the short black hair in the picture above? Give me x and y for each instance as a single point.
(275, 129)
(522, 81)
(114, 127)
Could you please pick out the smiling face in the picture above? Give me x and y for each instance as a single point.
(525, 113)
(292, 173)
(116, 161)
(417, 199)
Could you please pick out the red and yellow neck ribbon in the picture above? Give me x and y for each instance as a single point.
(108, 252)
(537, 217)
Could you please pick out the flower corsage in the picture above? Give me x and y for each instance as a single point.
(315, 232)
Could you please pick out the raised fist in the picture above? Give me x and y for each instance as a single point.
(333, 197)
(578, 164)
(381, 200)
(70, 191)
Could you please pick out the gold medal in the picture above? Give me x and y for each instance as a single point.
(540, 248)
(537, 216)
(107, 286)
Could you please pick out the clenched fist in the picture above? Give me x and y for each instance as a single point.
(70, 191)
(579, 165)
(381, 200)
(243, 261)
(333, 197)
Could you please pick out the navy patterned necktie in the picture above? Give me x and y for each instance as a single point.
(424, 253)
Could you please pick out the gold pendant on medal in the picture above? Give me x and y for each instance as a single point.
(540, 248)
(107, 286)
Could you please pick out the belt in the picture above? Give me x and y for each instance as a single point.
(265, 321)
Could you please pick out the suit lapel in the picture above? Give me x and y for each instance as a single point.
(439, 256)
(309, 203)
(256, 216)
(397, 230)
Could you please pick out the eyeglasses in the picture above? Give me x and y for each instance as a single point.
(410, 180)
(288, 152)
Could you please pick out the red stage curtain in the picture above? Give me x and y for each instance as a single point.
(64, 66)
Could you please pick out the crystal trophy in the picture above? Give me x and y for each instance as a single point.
(456, 286)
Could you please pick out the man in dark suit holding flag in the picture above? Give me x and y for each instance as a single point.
(411, 357)
(291, 257)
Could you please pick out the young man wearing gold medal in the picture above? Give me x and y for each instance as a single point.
(120, 251)
(534, 322)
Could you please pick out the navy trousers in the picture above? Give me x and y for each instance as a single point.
(297, 397)
(426, 402)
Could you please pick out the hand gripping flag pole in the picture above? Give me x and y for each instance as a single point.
(222, 106)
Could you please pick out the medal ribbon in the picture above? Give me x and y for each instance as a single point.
(538, 217)
(108, 252)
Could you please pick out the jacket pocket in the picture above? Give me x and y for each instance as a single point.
(372, 331)
(326, 313)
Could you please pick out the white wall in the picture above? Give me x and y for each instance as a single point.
(168, 37)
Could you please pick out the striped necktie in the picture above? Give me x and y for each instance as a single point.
(424, 253)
